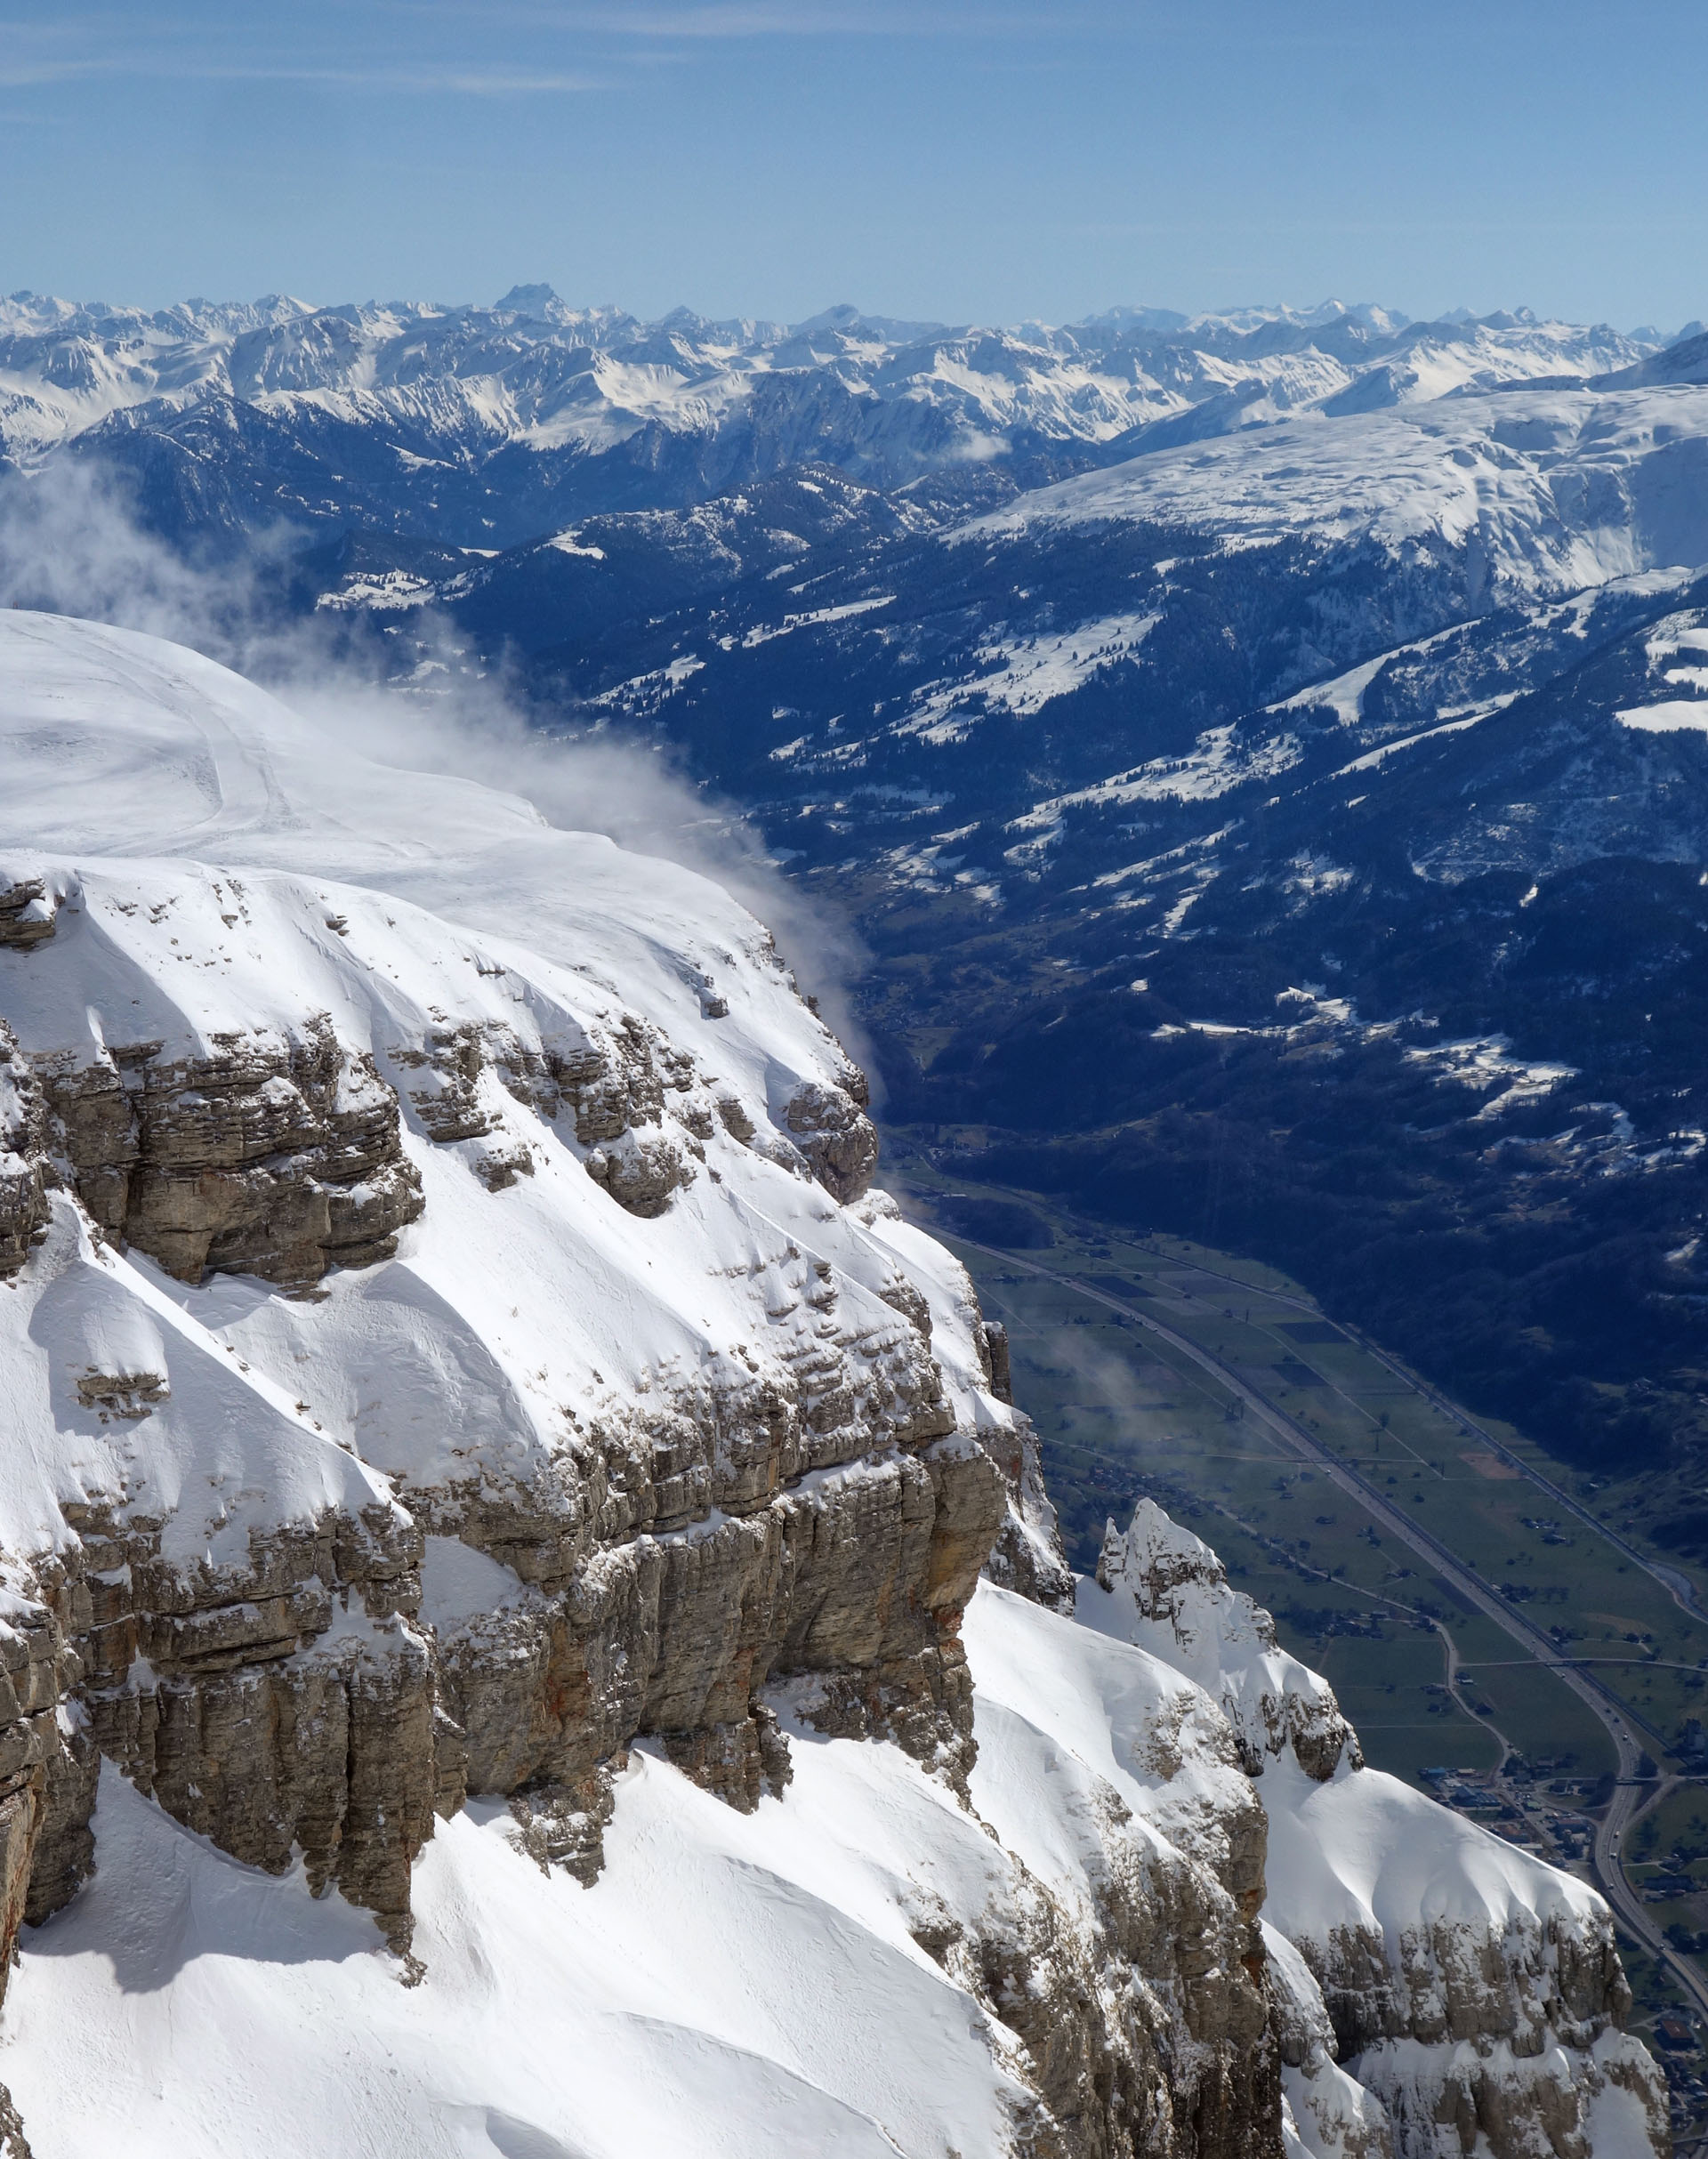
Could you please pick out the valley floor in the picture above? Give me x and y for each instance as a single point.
(1148, 1364)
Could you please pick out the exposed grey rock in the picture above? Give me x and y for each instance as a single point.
(1181, 1607)
(289, 1703)
(23, 1114)
(1333, 2113)
(767, 1535)
(619, 1089)
(1501, 2038)
(14, 2143)
(560, 1825)
(858, 1582)
(831, 1128)
(1027, 1555)
(993, 1337)
(28, 907)
(1143, 2014)
(38, 1770)
(285, 1706)
(1496, 2016)
(640, 1171)
(270, 1159)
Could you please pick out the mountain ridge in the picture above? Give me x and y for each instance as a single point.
(1298, 710)
(625, 411)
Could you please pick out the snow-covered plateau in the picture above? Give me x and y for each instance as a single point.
(531, 1624)
(1551, 490)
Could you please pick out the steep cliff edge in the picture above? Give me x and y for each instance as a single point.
(491, 1498)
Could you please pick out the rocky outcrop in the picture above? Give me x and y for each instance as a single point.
(803, 1511)
(1027, 1554)
(23, 1203)
(303, 1695)
(36, 1764)
(1326, 2110)
(849, 1593)
(1145, 2035)
(279, 1159)
(1488, 2014)
(1125, 1950)
(446, 1391)
(831, 1128)
(33, 1675)
(28, 907)
(280, 1705)
(938, 1293)
(1470, 1992)
(610, 1083)
(1170, 1592)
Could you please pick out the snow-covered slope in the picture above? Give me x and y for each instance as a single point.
(491, 1501)
(855, 1968)
(1472, 1990)
(1555, 490)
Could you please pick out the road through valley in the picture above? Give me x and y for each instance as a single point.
(1630, 1795)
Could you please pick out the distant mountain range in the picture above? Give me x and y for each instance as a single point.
(1267, 754)
(480, 426)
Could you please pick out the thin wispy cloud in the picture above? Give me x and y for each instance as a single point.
(772, 18)
(338, 52)
(465, 82)
(449, 80)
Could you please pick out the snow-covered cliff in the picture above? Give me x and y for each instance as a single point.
(491, 1505)
(1473, 1991)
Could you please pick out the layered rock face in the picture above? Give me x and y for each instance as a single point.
(314, 1569)
(1127, 1957)
(1172, 1592)
(785, 1491)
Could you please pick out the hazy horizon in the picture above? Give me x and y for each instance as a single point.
(926, 324)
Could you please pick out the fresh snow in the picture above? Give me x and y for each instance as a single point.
(1366, 1851)
(1554, 490)
(742, 1987)
(221, 865)
(1667, 718)
(892, 399)
(1022, 675)
(505, 1314)
(762, 633)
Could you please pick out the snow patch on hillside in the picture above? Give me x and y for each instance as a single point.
(1022, 675)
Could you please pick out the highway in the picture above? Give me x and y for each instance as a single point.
(1677, 1585)
(1630, 1796)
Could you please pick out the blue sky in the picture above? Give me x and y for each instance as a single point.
(943, 158)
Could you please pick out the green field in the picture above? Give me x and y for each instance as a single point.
(1121, 1415)
(1668, 1849)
